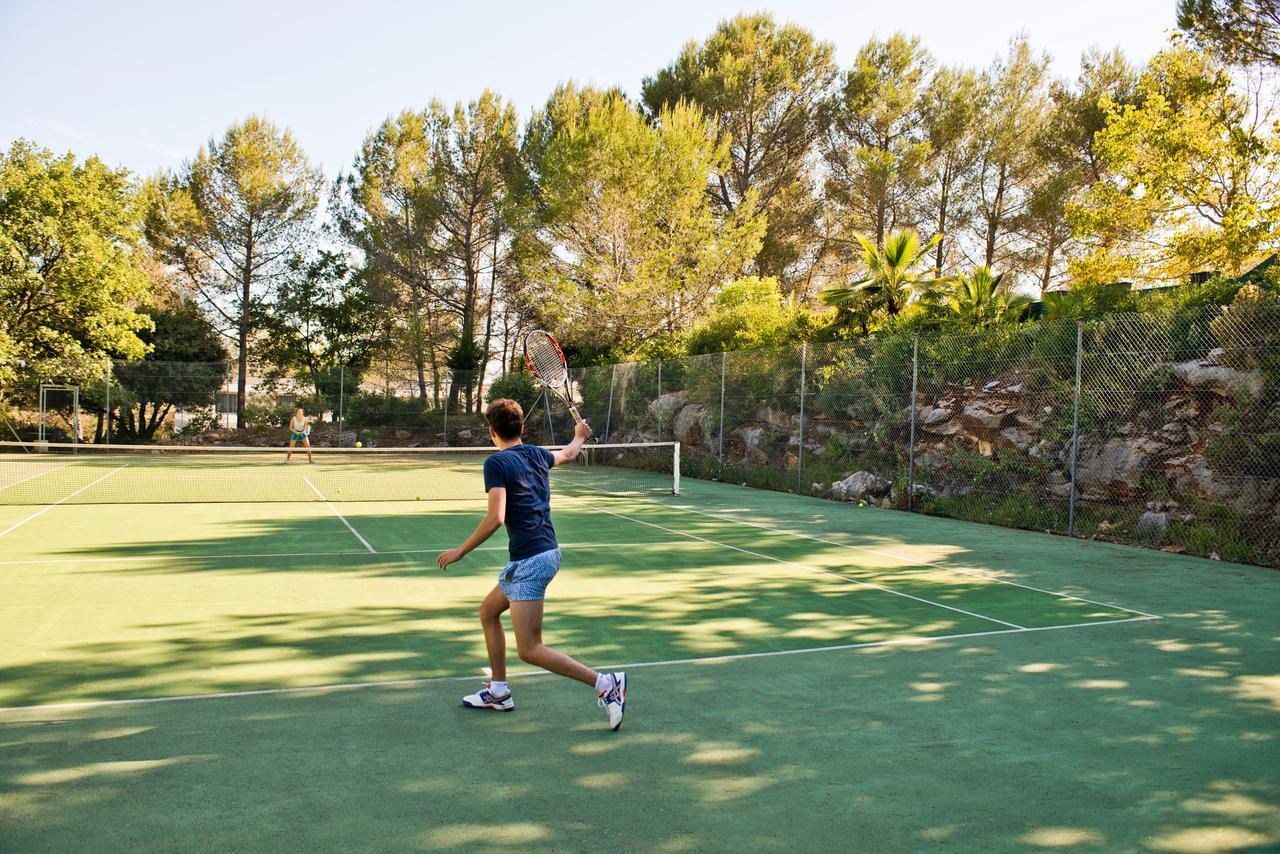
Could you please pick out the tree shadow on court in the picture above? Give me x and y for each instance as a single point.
(1107, 739)
(1154, 735)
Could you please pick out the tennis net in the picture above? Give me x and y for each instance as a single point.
(48, 473)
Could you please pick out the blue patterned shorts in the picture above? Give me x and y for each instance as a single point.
(526, 580)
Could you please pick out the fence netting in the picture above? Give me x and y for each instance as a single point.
(1160, 430)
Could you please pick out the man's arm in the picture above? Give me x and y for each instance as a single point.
(491, 522)
(581, 432)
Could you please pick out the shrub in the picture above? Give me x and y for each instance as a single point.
(516, 385)
(262, 411)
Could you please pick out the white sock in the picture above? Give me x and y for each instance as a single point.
(603, 682)
(499, 689)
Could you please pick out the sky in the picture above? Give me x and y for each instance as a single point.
(144, 84)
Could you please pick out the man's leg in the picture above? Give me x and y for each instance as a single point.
(526, 619)
(495, 640)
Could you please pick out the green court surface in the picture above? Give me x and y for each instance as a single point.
(805, 676)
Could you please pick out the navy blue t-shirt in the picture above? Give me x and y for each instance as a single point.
(523, 471)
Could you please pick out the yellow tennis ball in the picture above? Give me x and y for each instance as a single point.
(359, 444)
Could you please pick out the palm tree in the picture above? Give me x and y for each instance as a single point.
(891, 282)
(980, 299)
(1062, 304)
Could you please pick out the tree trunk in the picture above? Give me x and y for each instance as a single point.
(246, 286)
(942, 221)
(415, 298)
(488, 319)
(993, 217)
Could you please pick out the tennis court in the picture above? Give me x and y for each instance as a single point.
(213, 651)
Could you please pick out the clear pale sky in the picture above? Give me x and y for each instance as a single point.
(144, 84)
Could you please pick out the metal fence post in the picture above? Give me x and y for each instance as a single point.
(659, 400)
(608, 414)
(342, 388)
(804, 363)
(1075, 432)
(546, 407)
(720, 450)
(911, 446)
(108, 402)
(448, 394)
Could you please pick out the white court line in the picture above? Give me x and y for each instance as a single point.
(341, 518)
(910, 561)
(922, 640)
(207, 557)
(907, 560)
(49, 507)
(806, 566)
(34, 476)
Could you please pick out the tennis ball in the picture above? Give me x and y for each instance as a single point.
(359, 444)
(417, 498)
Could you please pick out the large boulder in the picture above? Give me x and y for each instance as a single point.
(861, 486)
(665, 406)
(751, 444)
(988, 415)
(939, 420)
(1206, 374)
(688, 427)
(1114, 468)
(1248, 496)
(778, 419)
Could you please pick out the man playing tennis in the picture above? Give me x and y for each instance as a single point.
(517, 481)
(299, 431)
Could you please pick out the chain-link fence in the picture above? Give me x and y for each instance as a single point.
(1155, 430)
(1158, 430)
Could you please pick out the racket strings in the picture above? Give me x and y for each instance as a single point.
(547, 362)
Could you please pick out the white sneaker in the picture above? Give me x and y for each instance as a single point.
(484, 699)
(614, 699)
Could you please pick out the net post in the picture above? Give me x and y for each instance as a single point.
(804, 363)
(720, 449)
(608, 414)
(342, 388)
(675, 465)
(1075, 432)
(911, 446)
(658, 400)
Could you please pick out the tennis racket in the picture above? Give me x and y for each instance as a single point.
(546, 362)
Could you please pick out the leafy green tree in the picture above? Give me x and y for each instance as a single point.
(876, 147)
(383, 209)
(232, 219)
(893, 279)
(749, 314)
(71, 267)
(320, 324)
(764, 85)
(184, 368)
(1194, 171)
(981, 299)
(474, 153)
(1245, 31)
(1014, 111)
(619, 240)
(949, 112)
(1067, 161)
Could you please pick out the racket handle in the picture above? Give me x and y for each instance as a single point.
(573, 410)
